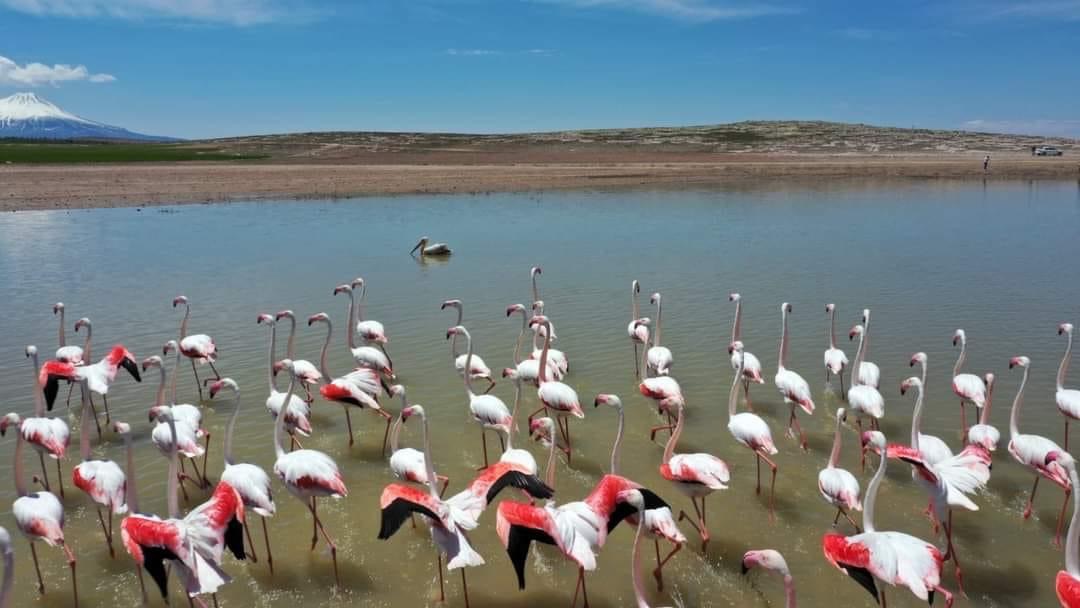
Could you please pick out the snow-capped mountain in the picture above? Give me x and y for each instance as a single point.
(25, 115)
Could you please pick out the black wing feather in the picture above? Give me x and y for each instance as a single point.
(234, 538)
(154, 563)
(530, 483)
(864, 578)
(52, 387)
(517, 547)
(397, 512)
(623, 510)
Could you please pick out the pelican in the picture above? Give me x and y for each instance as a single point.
(435, 249)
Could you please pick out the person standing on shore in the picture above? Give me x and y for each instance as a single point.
(986, 163)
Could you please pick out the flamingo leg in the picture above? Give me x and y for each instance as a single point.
(206, 454)
(950, 552)
(197, 383)
(843, 394)
(348, 423)
(438, 568)
(59, 478)
(757, 460)
(847, 516)
(333, 547)
(963, 418)
(656, 429)
(44, 471)
(386, 433)
(483, 440)
(37, 569)
(491, 385)
(214, 368)
(71, 387)
(746, 393)
(93, 410)
(74, 579)
(542, 408)
(658, 574)
(1031, 499)
(569, 443)
(247, 534)
(700, 526)
(581, 586)
(802, 435)
(1066, 433)
(105, 529)
(314, 524)
(266, 539)
(465, 587)
(1061, 517)
(105, 400)
(772, 484)
(445, 484)
(637, 366)
(142, 584)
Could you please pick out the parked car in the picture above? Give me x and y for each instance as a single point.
(1047, 151)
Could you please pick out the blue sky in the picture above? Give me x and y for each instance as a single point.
(204, 68)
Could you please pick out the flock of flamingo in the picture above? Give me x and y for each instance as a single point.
(192, 546)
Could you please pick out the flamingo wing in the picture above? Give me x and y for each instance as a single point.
(839, 488)
(970, 387)
(1068, 402)
(1067, 587)
(794, 389)
(705, 469)
(399, 501)
(851, 558)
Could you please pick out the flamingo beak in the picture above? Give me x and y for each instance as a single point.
(132, 368)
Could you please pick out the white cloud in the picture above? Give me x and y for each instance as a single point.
(687, 10)
(236, 12)
(1068, 10)
(36, 74)
(1055, 128)
(472, 52)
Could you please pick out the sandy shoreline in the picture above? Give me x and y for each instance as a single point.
(28, 187)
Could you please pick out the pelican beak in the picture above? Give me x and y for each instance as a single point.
(416, 247)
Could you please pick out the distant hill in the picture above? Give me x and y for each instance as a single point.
(28, 117)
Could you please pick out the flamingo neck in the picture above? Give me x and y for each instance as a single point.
(84, 423)
(86, 345)
(290, 346)
(616, 448)
(542, 377)
(782, 357)
(175, 373)
(789, 591)
(63, 336)
(325, 350)
(549, 474)
(270, 380)
(350, 331)
(984, 415)
(429, 466)
(279, 424)
(635, 310)
(659, 321)
(832, 329)
(1062, 369)
(468, 364)
(736, 327)
(395, 434)
(870, 499)
(854, 380)
(1072, 541)
(1018, 401)
(171, 496)
(229, 459)
(834, 455)
(961, 358)
(20, 473)
(454, 354)
(669, 449)
(733, 394)
(39, 396)
(520, 339)
(361, 304)
(535, 289)
(159, 399)
(132, 496)
(9, 576)
(513, 415)
(639, 585)
(916, 418)
(183, 324)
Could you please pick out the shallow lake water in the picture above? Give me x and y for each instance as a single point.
(998, 260)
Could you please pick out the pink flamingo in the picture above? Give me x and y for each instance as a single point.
(487, 410)
(250, 481)
(555, 395)
(868, 373)
(659, 358)
(695, 475)
(667, 394)
(636, 500)
(528, 370)
(408, 463)
(359, 388)
(639, 334)
(770, 559)
(894, 558)
(298, 412)
(101, 375)
(791, 385)
(48, 436)
(1068, 400)
(478, 370)
(557, 359)
(188, 421)
(1031, 450)
(751, 365)
(835, 359)
(752, 433)
(968, 387)
(370, 331)
(364, 356)
(487, 485)
(863, 399)
(75, 355)
(39, 515)
(199, 348)
(308, 475)
(446, 522)
(984, 434)
(306, 372)
(102, 480)
(839, 487)
(510, 453)
(1067, 582)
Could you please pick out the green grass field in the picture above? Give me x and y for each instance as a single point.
(72, 152)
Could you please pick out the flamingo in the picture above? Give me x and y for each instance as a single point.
(363, 355)
(863, 399)
(9, 568)
(408, 463)
(557, 359)
(528, 370)
(984, 434)
(894, 558)
(199, 348)
(488, 410)
(534, 272)
(102, 480)
(370, 331)
(791, 385)
(659, 521)
(659, 358)
(1068, 399)
(751, 365)
(446, 522)
(753, 433)
(48, 436)
(101, 375)
(968, 387)
(433, 250)
(75, 355)
(359, 388)
(193, 544)
(39, 515)
(188, 424)
(1031, 450)
(868, 373)
(555, 395)
(306, 372)
(250, 481)
(308, 474)
(667, 394)
(835, 359)
(635, 500)
(839, 487)
(639, 334)
(510, 453)
(477, 368)
(298, 412)
(695, 475)
(1067, 583)
(770, 559)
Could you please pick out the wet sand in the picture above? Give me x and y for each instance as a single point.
(28, 187)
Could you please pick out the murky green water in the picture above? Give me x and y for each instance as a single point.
(997, 260)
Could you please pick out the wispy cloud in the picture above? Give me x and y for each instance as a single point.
(865, 34)
(1056, 128)
(686, 10)
(1068, 10)
(493, 52)
(36, 74)
(233, 12)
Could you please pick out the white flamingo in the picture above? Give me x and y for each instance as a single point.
(968, 387)
(528, 370)
(364, 356)
(487, 410)
(659, 358)
(868, 373)
(792, 387)
(863, 399)
(102, 480)
(408, 464)
(298, 412)
(1068, 399)
(306, 372)
(639, 334)
(839, 487)
(985, 434)
(751, 365)
(49, 437)
(555, 395)
(835, 359)
(478, 370)
(199, 348)
(752, 433)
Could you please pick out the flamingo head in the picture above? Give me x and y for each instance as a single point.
(454, 331)
(608, 399)
(841, 415)
(736, 346)
(157, 412)
(542, 429)
(509, 372)
(538, 308)
(264, 318)
(855, 332)
(635, 286)
(765, 558)
(317, 318)
(215, 387)
(421, 243)
(632, 497)
(906, 385)
(126, 359)
(654, 298)
(1020, 361)
(1065, 328)
(642, 322)
(866, 316)
(152, 361)
(734, 297)
(285, 314)
(959, 337)
(83, 322)
(9, 420)
(31, 351)
(178, 300)
(988, 380)
(873, 440)
(284, 364)
(358, 282)
(828, 308)
(452, 304)
(170, 346)
(512, 309)
(397, 390)
(56, 308)
(918, 358)
(121, 428)
(539, 320)
(412, 410)
(342, 289)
